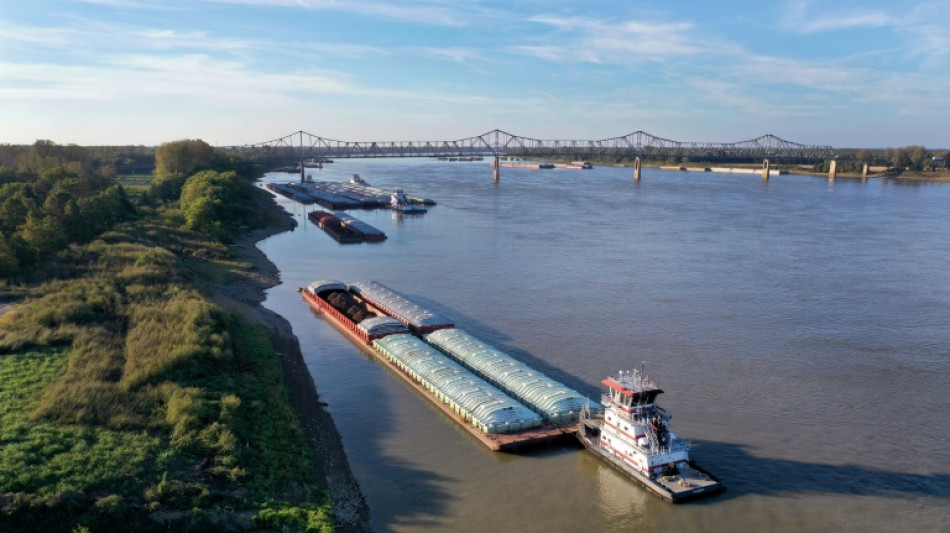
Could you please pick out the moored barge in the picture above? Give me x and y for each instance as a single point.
(335, 228)
(291, 191)
(346, 228)
(486, 412)
(419, 319)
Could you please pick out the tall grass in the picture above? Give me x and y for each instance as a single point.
(125, 391)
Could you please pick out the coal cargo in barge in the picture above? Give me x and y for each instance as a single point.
(358, 320)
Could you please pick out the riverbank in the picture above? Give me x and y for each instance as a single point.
(245, 296)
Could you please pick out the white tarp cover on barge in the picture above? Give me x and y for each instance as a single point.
(552, 400)
(378, 325)
(326, 285)
(391, 301)
(475, 400)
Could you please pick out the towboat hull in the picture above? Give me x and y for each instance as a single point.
(685, 486)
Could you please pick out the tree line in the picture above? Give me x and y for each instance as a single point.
(53, 195)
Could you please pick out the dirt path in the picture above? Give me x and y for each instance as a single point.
(349, 506)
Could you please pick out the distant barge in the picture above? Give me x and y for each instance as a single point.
(345, 228)
(388, 328)
(338, 196)
(509, 164)
(291, 191)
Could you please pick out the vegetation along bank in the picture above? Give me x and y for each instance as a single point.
(142, 386)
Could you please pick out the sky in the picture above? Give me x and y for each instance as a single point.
(872, 74)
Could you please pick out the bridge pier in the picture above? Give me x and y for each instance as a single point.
(636, 170)
(864, 174)
(765, 170)
(496, 170)
(833, 170)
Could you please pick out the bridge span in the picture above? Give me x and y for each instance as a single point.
(498, 143)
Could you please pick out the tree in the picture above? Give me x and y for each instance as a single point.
(55, 204)
(207, 199)
(901, 158)
(182, 157)
(918, 156)
(9, 265)
(42, 234)
(16, 201)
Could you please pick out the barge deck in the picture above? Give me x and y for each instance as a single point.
(494, 441)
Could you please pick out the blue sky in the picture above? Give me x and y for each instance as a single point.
(848, 74)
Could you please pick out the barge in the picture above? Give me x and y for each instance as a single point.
(584, 165)
(633, 435)
(346, 228)
(334, 227)
(553, 401)
(356, 194)
(485, 412)
(509, 164)
(419, 319)
(370, 233)
(292, 192)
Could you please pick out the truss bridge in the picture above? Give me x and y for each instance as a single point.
(500, 143)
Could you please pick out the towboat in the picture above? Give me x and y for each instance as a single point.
(400, 202)
(633, 435)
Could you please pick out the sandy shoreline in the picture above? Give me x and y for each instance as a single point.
(349, 505)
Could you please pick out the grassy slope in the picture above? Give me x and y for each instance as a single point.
(128, 397)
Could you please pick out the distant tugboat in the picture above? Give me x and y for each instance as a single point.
(633, 435)
(399, 202)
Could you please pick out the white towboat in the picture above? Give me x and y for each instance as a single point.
(400, 202)
(633, 435)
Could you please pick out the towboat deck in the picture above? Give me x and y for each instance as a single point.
(689, 483)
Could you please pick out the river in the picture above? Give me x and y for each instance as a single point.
(800, 329)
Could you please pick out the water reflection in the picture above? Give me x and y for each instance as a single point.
(622, 501)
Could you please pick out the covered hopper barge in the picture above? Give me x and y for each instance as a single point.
(487, 412)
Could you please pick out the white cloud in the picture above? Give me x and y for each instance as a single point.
(127, 4)
(599, 41)
(454, 54)
(429, 13)
(800, 18)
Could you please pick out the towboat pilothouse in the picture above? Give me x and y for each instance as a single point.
(634, 436)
